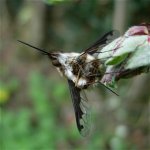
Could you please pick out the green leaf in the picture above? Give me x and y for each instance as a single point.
(130, 44)
(140, 58)
(116, 60)
(130, 54)
(118, 50)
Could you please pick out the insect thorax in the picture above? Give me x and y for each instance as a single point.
(82, 69)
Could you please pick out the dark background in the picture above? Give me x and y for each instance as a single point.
(36, 108)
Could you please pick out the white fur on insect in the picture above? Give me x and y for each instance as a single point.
(66, 60)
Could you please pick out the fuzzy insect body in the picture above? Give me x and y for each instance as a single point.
(77, 67)
(81, 71)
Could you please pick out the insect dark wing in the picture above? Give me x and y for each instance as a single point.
(102, 41)
(80, 108)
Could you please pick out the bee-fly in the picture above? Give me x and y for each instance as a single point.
(81, 71)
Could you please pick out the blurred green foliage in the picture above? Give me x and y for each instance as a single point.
(35, 128)
(36, 111)
(55, 1)
(7, 89)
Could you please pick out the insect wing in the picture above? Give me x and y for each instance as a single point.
(105, 39)
(81, 109)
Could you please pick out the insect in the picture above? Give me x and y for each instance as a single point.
(81, 70)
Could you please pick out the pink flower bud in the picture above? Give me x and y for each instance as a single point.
(137, 30)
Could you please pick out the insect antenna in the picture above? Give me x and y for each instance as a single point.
(42, 50)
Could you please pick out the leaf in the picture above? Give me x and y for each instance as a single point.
(122, 47)
(126, 56)
(140, 58)
(129, 45)
(108, 50)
